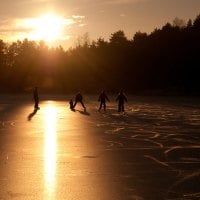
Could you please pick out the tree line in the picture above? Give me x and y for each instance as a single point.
(165, 60)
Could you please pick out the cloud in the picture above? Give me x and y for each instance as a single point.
(122, 15)
(78, 17)
(11, 25)
(117, 2)
(82, 25)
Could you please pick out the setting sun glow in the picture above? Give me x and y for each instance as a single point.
(48, 27)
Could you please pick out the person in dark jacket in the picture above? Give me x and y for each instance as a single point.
(121, 98)
(79, 98)
(36, 98)
(71, 104)
(103, 98)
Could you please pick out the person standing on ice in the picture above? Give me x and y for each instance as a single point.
(102, 98)
(71, 105)
(79, 98)
(36, 98)
(121, 98)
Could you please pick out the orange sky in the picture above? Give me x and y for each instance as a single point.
(71, 19)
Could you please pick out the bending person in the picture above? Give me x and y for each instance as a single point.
(79, 98)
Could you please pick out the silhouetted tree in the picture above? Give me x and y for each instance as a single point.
(196, 23)
(118, 38)
(179, 22)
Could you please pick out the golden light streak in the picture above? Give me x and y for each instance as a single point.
(50, 149)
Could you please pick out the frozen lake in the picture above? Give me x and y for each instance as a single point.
(151, 152)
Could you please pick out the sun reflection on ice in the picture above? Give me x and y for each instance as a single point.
(50, 149)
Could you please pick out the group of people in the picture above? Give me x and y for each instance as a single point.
(103, 98)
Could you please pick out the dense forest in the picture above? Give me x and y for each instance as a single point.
(166, 61)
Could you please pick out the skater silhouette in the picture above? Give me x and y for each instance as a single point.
(71, 105)
(79, 98)
(36, 98)
(121, 98)
(103, 98)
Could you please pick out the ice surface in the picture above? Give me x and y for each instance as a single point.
(152, 151)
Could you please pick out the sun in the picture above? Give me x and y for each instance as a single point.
(48, 27)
